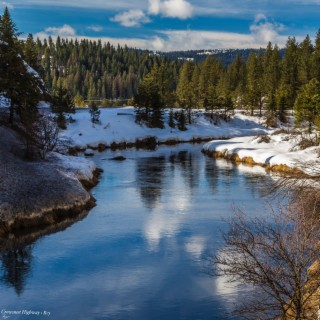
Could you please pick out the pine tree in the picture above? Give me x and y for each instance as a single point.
(196, 86)
(307, 104)
(94, 113)
(289, 72)
(316, 57)
(12, 68)
(305, 55)
(148, 103)
(271, 79)
(234, 81)
(23, 88)
(62, 102)
(254, 90)
(185, 89)
(8, 30)
(31, 54)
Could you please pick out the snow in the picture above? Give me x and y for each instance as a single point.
(118, 125)
(279, 151)
(77, 167)
(30, 70)
(4, 102)
(44, 105)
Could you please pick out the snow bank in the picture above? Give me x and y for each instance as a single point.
(118, 125)
(278, 152)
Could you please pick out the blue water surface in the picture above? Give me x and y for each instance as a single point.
(141, 253)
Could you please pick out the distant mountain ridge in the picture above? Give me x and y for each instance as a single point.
(226, 56)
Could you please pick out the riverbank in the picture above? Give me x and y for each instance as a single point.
(117, 129)
(40, 193)
(275, 152)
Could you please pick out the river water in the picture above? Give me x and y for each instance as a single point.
(141, 252)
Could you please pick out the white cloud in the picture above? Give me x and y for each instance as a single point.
(192, 40)
(264, 30)
(181, 9)
(64, 31)
(261, 31)
(95, 28)
(131, 18)
(4, 4)
(195, 246)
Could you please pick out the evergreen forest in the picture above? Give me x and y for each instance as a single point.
(270, 80)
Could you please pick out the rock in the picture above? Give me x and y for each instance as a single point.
(89, 153)
(118, 158)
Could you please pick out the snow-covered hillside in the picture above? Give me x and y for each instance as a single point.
(118, 125)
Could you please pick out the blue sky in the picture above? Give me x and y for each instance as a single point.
(170, 24)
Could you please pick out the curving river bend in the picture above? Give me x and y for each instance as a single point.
(140, 253)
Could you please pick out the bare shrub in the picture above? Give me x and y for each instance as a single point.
(264, 139)
(274, 254)
(307, 141)
(46, 135)
(285, 131)
(41, 136)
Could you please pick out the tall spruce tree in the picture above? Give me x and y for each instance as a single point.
(21, 86)
(289, 82)
(11, 66)
(316, 57)
(271, 79)
(254, 92)
(30, 53)
(185, 88)
(305, 55)
(307, 104)
(149, 101)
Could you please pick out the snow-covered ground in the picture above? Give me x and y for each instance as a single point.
(281, 150)
(33, 189)
(118, 125)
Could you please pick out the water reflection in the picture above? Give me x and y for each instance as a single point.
(184, 160)
(16, 267)
(150, 174)
(138, 255)
(16, 252)
(212, 174)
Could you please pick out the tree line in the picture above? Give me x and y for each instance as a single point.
(91, 70)
(268, 80)
(271, 79)
(76, 71)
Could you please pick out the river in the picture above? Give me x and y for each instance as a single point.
(141, 252)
